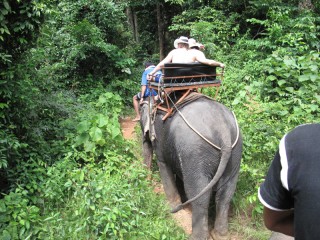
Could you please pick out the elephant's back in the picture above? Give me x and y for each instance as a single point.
(192, 134)
(206, 114)
(201, 118)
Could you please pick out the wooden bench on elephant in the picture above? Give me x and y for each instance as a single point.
(184, 77)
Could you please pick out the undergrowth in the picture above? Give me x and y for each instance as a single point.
(97, 190)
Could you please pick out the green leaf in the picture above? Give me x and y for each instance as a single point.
(281, 82)
(6, 5)
(82, 138)
(303, 78)
(5, 235)
(3, 105)
(314, 68)
(235, 101)
(102, 100)
(314, 77)
(114, 132)
(95, 133)
(278, 90)
(102, 120)
(27, 224)
(283, 113)
(101, 142)
(83, 126)
(314, 107)
(288, 62)
(89, 146)
(2, 207)
(287, 75)
(242, 94)
(67, 185)
(4, 11)
(81, 176)
(271, 78)
(290, 89)
(22, 231)
(303, 90)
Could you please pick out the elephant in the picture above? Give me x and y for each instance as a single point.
(200, 144)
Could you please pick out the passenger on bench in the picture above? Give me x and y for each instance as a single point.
(193, 44)
(182, 54)
(145, 91)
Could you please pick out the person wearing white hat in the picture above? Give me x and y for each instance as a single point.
(194, 50)
(184, 42)
(193, 44)
(182, 54)
(177, 55)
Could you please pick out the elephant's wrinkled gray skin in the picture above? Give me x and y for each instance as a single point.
(183, 153)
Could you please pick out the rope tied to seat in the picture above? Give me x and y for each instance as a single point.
(196, 131)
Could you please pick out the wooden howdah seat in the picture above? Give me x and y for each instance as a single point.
(185, 78)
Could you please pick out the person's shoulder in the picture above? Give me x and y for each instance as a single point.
(170, 54)
(308, 127)
(178, 50)
(149, 69)
(195, 51)
(174, 51)
(304, 133)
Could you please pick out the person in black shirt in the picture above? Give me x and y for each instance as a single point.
(291, 191)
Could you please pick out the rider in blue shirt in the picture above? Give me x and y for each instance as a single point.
(145, 91)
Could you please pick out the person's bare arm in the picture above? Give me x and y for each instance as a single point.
(279, 221)
(200, 57)
(160, 65)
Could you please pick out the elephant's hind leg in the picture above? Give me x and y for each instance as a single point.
(222, 200)
(200, 229)
(169, 186)
(193, 186)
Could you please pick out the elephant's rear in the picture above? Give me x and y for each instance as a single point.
(198, 133)
(206, 119)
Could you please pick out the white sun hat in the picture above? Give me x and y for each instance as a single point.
(181, 39)
(192, 43)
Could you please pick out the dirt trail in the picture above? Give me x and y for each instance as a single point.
(127, 127)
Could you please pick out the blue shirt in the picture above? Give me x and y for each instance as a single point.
(144, 80)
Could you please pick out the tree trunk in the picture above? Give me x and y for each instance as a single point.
(133, 23)
(136, 30)
(160, 31)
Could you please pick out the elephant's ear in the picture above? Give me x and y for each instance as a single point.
(144, 119)
(147, 124)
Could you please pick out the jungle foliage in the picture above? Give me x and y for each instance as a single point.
(68, 71)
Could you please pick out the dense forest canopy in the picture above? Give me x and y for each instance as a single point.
(68, 71)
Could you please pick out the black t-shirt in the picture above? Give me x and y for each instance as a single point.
(293, 180)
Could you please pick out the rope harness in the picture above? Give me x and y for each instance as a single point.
(189, 125)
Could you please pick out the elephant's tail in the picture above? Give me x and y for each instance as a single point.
(225, 156)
